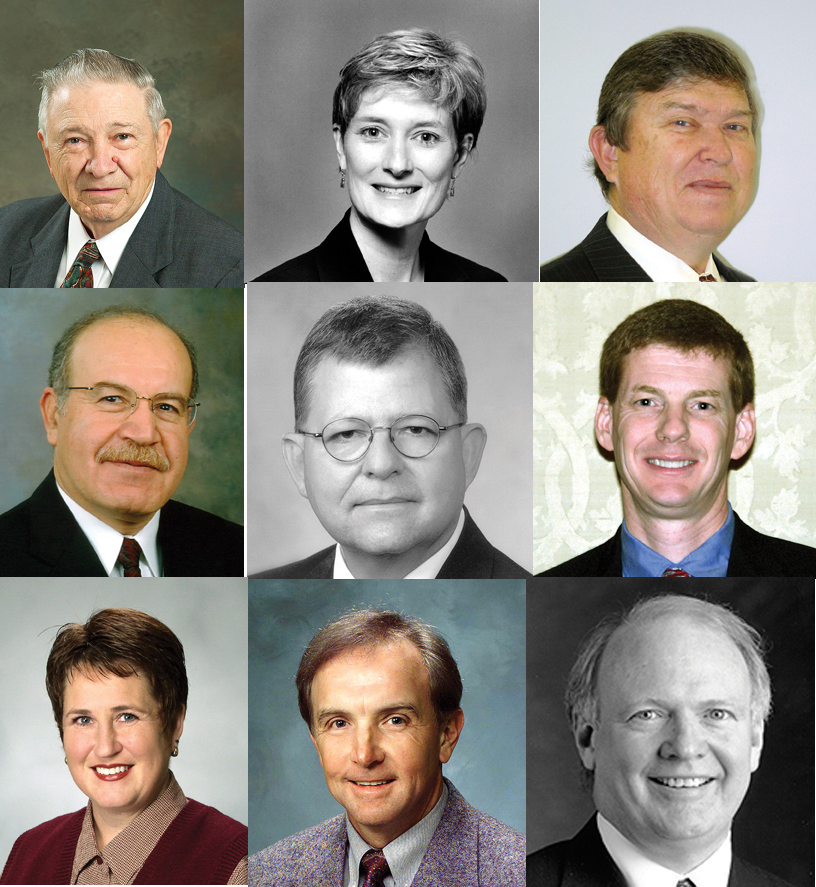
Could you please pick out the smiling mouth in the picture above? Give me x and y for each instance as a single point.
(671, 463)
(110, 774)
(682, 781)
(397, 192)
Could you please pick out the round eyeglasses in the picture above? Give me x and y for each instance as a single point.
(349, 439)
(122, 401)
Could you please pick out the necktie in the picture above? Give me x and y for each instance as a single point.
(707, 278)
(129, 556)
(675, 574)
(374, 867)
(80, 273)
(686, 882)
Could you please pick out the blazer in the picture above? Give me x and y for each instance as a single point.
(40, 537)
(752, 554)
(177, 243)
(468, 849)
(339, 258)
(583, 861)
(601, 257)
(473, 557)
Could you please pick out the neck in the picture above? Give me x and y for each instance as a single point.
(379, 837)
(107, 823)
(391, 254)
(363, 565)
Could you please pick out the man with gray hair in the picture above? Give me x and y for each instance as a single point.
(118, 223)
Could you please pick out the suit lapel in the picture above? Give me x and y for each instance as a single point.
(452, 858)
(47, 248)
(587, 862)
(608, 258)
(472, 556)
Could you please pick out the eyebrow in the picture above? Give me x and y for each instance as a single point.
(78, 127)
(116, 710)
(698, 109)
(436, 121)
(328, 713)
(700, 392)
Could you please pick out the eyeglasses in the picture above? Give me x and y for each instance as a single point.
(122, 401)
(349, 439)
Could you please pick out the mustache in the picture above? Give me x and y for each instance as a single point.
(133, 452)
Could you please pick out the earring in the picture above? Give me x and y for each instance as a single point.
(66, 760)
(453, 182)
(342, 178)
(174, 753)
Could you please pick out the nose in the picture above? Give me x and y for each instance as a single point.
(673, 424)
(107, 742)
(367, 750)
(715, 146)
(100, 159)
(686, 740)
(141, 426)
(382, 459)
(397, 158)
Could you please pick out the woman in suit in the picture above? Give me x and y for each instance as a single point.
(406, 115)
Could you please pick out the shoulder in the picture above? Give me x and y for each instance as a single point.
(598, 561)
(316, 566)
(743, 874)
(575, 265)
(32, 210)
(443, 265)
(229, 830)
(303, 268)
(473, 557)
(48, 846)
(315, 844)
(731, 274)
(755, 554)
(196, 519)
(197, 543)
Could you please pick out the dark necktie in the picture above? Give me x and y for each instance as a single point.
(80, 273)
(374, 867)
(707, 278)
(675, 574)
(686, 882)
(129, 557)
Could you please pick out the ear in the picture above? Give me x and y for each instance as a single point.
(338, 146)
(41, 137)
(451, 732)
(462, 154)
(605, 154)
(757, 742)
(292, 446)
(179, 726)
(50, 414)
(162, 138)
(474, 438)
(744, 431)
(603, 424)
(584, 735)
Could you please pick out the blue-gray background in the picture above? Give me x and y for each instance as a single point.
(483, 622)
(31, 322)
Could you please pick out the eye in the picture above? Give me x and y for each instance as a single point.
(428, 138)
(128, 717)
(704, 406)
(682, 123)
(719, 714)
(337, 723)
(371, 132)
(397, 720)
(81, 720)
(74, 140)
(647, 714)
(123, 136)
(644, 402)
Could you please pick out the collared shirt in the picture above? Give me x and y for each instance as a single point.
(110, 247)
(709, 559)
(657, 262)
(403, 855)
(642, 872)
(426, 570)
(107, 542)
(122, 858)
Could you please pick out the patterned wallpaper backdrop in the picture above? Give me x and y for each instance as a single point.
(576, 493)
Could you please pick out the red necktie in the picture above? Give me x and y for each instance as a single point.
(129, 556)
(708, 278)
(675, 574)
(375, 868)
(80, 273)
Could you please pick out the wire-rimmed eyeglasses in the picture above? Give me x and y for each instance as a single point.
(119, 399)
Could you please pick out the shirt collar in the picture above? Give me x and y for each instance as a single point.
(107, 542)
(709, 559)
(658, 263)
(426, 570)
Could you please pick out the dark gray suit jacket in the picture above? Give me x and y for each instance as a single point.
(601, 257)
(177, 243)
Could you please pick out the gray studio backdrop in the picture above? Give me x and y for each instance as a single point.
(774, 827)
(491, 325)
(31, 322)
(193, 49)
(774, 242)
(209, 617)
(483, 622)
(294, 52)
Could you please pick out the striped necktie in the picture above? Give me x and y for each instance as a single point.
(129, 555)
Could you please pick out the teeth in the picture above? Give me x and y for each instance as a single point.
(684, 782)
(662, 463)
(385, 190)
(110, 771)
(373, 783)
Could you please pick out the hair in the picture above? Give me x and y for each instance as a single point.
(374, 330)
(87, 66)
(371, 628)
(686, 326)
(123, 643)
(445, 72)
(60, 370)
(658, 62)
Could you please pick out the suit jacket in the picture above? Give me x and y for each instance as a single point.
(601, 257)
(177, 243)
(40, 537)
(752, 554)
(468, 849)
(473, 557)
(583, 861)
(339, 258)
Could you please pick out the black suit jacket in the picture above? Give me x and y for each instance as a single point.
(752, 554)
(583, 861)
(601, 257)
(40, 537)
(177, 243)
(339, 258)
(473, 557)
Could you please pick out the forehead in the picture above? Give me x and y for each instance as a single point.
(84, 687)
(706, 97)
(393, 102)
(661, 365)
(98, 102)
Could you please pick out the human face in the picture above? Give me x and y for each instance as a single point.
(675, 742)
(687, 177)
(378, 739)
(102, 151)
(389, 512)
(399, 153)
(108, 723)
(121, 468)
(673, 430)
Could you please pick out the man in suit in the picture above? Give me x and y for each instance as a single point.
(119, 411)
(380, 693)
(676, 406)
(674, 153)
(383, 450)
(118, 223)
(667, 704)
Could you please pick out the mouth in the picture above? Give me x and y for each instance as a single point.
(672, 463)
(681, 782)
(394, 501)
(711, 185)
(402, 191)
(111, 774)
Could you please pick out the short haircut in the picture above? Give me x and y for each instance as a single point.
(666, 59)
(371, 628)
(685, 326)
(445, 72)
(374, 330)
(86, 66)
(60, 370)
(120, 642)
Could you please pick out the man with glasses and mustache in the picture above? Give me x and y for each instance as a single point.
(118, 410)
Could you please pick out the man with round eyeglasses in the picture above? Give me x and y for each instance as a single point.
(383, 450)
(118, 410)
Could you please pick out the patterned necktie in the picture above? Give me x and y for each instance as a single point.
(707, 278)
(374, 867)
(80, 273)
(675, 574)
(129, 556)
